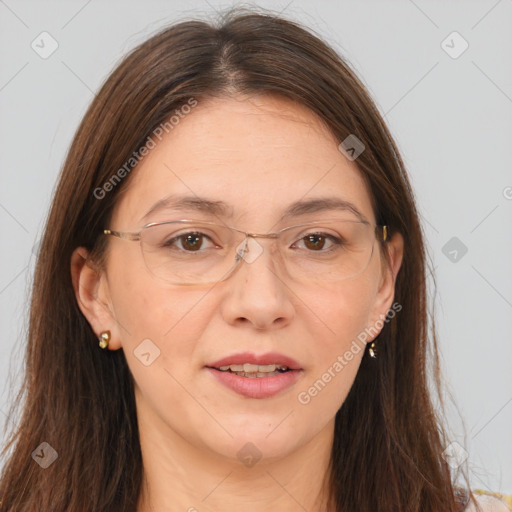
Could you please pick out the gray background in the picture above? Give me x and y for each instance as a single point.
(451, 118)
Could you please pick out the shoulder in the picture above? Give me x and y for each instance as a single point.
(490, 502)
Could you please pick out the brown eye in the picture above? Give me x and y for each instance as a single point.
(189, 242)
(192, 241)
(314, 242)
(320, 242)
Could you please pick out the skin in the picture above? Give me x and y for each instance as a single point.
(258, 154)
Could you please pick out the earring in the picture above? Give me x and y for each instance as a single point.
(104, 339)
(373, 350)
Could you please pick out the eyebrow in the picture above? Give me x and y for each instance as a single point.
(222, 209)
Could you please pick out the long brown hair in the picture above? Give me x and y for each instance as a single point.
(387, 451)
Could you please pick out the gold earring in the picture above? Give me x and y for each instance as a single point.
(373, 350)
(104, 339)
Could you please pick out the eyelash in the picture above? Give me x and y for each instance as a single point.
(335, 241)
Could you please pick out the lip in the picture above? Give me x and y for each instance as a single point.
(257, 387)
(262, 359)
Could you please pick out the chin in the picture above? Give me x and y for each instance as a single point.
(254, 445)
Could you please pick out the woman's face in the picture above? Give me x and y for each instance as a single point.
(258, 156)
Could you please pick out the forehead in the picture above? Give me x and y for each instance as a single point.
(257, 155)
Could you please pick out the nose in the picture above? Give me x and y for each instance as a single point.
(257, 292)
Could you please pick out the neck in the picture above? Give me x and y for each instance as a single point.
(179, 476)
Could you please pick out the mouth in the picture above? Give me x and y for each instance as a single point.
(253, 371)
(256, 376)
(251, 365)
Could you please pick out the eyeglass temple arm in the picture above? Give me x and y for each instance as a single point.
(126, 236)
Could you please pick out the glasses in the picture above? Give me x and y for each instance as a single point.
(191, 252)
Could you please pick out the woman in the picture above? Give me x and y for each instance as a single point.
(229, 307)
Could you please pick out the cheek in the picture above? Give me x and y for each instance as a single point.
(337, 352)
(345, 310)
(146, 308)
(160, 329)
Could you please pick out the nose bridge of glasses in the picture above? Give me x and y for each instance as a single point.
(249, 249)
(244, 241)
(262, 235)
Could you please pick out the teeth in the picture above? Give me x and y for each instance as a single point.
(254, 375)
(256, 369)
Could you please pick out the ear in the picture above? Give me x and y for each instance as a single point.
(93, 296)
(386, 291)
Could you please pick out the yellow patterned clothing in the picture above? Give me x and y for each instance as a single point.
(491, 502)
